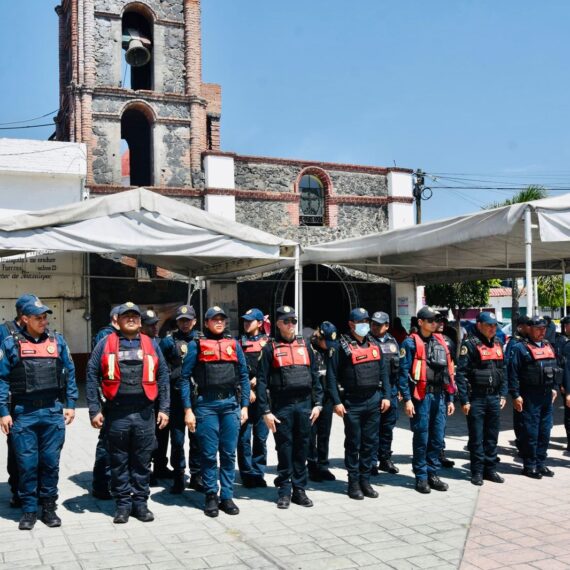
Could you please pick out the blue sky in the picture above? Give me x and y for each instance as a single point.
(475, 91)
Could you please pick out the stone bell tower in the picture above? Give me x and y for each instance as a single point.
(131, 89)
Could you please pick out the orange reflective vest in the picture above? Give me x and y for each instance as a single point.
(486, 353)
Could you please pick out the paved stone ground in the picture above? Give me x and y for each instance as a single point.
(401, 529)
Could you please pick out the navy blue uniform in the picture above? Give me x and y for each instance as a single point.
(174, 347)
(534, 381)
(428, 422)
(363, 393)
(129, 421)
(562, 347)
(38, 432)
(291, 403)
(217, 417)
(252, 443)
(482, 382)
(517, 416)
(388, 419)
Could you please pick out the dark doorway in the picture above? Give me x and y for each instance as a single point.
(136, 131)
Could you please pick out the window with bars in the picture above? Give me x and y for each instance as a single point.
(312, 203)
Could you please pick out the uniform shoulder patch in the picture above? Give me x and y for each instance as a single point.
(402, 352)
(464, 350)
(331, 351)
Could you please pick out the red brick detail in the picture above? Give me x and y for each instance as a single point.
(257, 195)
(331, 218)
(293, 211)
(368, 200)
(179, 192)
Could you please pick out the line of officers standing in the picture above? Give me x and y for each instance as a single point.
(229, 393)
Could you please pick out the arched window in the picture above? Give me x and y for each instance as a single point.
(312, 201)
(138, 57)
(136, 135)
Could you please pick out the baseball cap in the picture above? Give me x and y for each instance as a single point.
(214, 312)
(537, 321)
(128, 307)
(427, 313)
(185, 312)
(35, 308)
(487, 318)
(253, 315)
(380, 317)
(358, 314)
(328, 332)
(24, 300)
(285, 312)
(149, 317)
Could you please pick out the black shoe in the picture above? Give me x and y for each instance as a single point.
(211, 506)
(374, 471)
(49, 516)
(326, 475)
(532, 473)
(15, 502)
(299, 497)
(142, 514)
(422, 486)
(178, 485)
(229, 507)
(354, 491)
(196, 483)
(315, 474)
(122, 516)
(283, 502)
(388, 466)
(446, 463)
(28, 521)
(493, 476)
(253, 482)
(163, 473)
(367, 490)
(436, 483)
(477, 479)
(546, 472)
(102, 495)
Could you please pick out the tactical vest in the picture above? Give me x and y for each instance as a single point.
(434, 366)
(176, 359)
(291, 367)
(543, 370)
(560, 347)
(252, 349)
(489, 370)
(390, 353)
(360, 371)
(130, 372)
(39, 367)
(216, 366)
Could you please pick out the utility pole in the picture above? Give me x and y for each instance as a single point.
(418, 189)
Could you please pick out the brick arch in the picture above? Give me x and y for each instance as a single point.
(319, 173)
(142, 8)
(141, 106)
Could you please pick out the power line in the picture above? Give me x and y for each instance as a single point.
(30, 120)
(26, 127)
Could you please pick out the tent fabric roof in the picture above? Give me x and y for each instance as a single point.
(486, 244)
(156, 229)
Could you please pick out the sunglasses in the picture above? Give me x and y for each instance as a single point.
(431, 320)
(290, 321)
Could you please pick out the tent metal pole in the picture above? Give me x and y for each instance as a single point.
(189, 294)
(297, 283)
(199, 284)
(528, 261)
(300, 307)
(564, 288)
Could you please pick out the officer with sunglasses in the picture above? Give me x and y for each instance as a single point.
(289, 370)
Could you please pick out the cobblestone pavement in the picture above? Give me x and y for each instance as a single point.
(401, 529)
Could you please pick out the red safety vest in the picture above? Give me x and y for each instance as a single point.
(46, 349)
(112, 373)
(486, 353)
(290, 354)
(362, 354)
(254, 345)
(419, 366)
(543, 352)
(223, 350)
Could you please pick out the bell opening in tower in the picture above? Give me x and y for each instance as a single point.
(137, 50)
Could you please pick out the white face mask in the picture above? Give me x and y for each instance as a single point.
(362, 329)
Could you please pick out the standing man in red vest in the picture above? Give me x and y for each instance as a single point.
(288, 369)
(132, 374)
(427, 385)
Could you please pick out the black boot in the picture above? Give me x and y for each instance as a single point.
(211, 505)
(228, 507)
(314, 472)
(299, 497)
(142, 513)
(436, 483)
(368, 490)
(28, 521)
(388, 466)
(178, 485)
(445, 462)
(354, 490)
(196, 482)
(49, 517)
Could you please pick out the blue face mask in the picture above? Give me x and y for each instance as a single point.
(362, 329)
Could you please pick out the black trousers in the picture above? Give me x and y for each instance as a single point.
(483, 422)
(318, 455)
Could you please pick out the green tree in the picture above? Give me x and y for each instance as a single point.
(528, 194)
(550, 292)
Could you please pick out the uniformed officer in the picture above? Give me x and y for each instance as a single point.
(288, 369)
(132, 374)
(534, 377)
(174, 346)
(427, 385)
(324, 338)
(218, 366)
(37, 370)
(358, 368)
(482, 390)
(252, 457)
(6, 329)
(520, 333)
(105, 331)
(562, 348)
(379, 325)
(149, 326)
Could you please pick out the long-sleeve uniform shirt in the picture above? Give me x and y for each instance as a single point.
(563, 353)
(189, 363)
(95, 375)
(264, 373)
(9, 358)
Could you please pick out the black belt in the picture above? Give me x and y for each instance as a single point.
(477, 391)
(283, 398)
(49, 403)
(359, 395)
(216, 394)
(433, 389)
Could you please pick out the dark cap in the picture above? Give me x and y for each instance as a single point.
(537, 321)
(380, 318)
(185, 312)
(358, 314)
(253, 315)
(285, 312)
(487, 318)
(523, 320)
(128, 307)
(214, 312)
(114, 312)
(565, 321)
(149, 317)
(328, 332)
(24, 300)
(427, 313)
(35, 308)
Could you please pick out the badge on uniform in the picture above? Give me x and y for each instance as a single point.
(183, 349)
(129, 304)
(229, 350)
(50, 349)
(287, 309)
(262, 343)
(392, 348)
(331, 351)
(402, 352)
(150, 314)
(301, 351)
(184, 310)
(140, 354)
(333, 336)
(464, 351)
(499, 352)
(374, 353)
